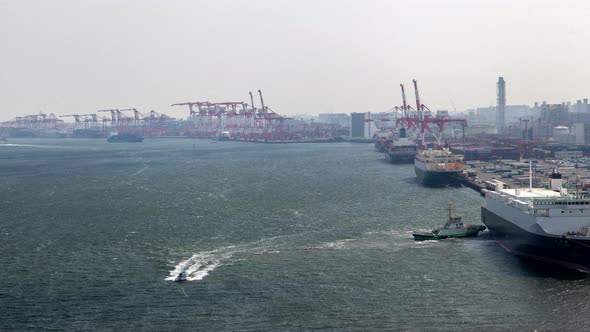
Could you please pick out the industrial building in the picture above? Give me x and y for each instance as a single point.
(569, 155)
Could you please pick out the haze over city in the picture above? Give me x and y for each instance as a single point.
(309, 57)
(295, 165)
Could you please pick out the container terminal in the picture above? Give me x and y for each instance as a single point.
(509, 174)
(238, 120)
(497, 142)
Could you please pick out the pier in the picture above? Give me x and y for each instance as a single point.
(515, 174)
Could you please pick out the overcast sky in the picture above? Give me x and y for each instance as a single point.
(308, 56)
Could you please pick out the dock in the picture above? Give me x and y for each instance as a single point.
(480, 175)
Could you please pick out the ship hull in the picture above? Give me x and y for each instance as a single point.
(380, 145)
(431, 236)
(125, 139)
(536, 245)
(400, 158)
(431, 178)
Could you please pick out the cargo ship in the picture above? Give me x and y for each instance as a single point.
(438, 167)
(401, 150)
(547, 225)
(125, 137)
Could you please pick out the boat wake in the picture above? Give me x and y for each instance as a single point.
(145, 167)
(424, 242)
(33, 146)
(427, 279)
(335, 245)
(199, 265)
(362, 243)
(396, 233)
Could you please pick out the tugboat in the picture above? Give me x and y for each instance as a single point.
(180, 277)
(454, 227)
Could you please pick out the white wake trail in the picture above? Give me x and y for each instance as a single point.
(200, 264)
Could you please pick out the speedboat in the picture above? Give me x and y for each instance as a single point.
(180, 277)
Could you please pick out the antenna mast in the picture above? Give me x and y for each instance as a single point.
(530, 175)
(450, 213)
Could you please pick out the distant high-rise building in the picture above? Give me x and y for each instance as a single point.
(581, 106)
(357, 124)
(501, 106)
(361, 125)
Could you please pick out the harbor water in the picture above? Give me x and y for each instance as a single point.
(274, 238)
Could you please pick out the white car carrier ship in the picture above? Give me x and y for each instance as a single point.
(543, 224)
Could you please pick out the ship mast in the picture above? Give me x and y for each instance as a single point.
(530, 175)
(450, 213)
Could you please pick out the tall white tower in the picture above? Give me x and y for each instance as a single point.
(501, 107)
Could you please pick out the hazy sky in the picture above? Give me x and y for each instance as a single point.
(307, 56)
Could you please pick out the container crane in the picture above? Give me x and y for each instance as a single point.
(243, 120)
(252, 103)
(117, 117)
(425, 122)
(199, 104)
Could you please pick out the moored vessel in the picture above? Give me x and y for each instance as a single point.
(381, 143)
(401, 150)
(438, 167)
(548, 225)
(125, 137)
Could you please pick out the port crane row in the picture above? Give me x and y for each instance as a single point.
(242, 120)
(206, 119)
(422, 120)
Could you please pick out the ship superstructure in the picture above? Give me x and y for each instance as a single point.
(438, 167)
(401, 150)
(543, 224)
